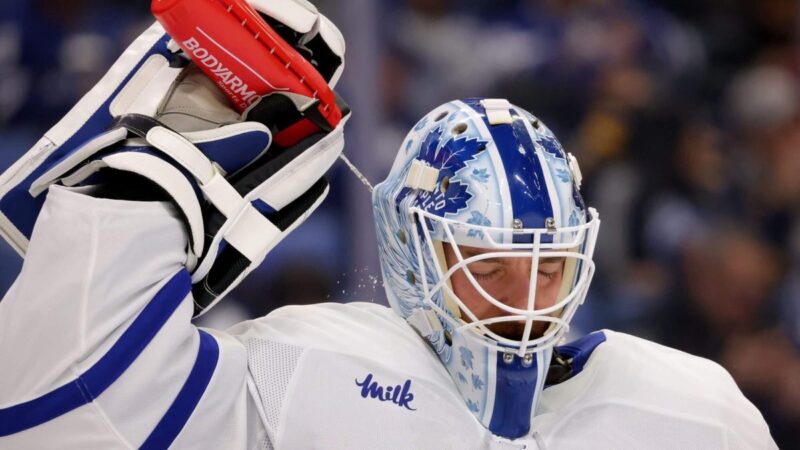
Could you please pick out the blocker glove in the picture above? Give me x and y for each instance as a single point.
(156, 127)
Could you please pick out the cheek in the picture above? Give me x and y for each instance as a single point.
(547, 293)
(470, 296)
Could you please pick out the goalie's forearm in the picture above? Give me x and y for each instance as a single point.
(92, 268)
(96, 341)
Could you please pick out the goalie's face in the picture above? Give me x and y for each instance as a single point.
(508, 280)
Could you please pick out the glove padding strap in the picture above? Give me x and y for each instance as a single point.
(238, 199)
(283, 188)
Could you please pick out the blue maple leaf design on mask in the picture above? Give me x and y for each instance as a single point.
(462, 379)
(466, 357)
(421, 124)
(477, 383)
(551, 145)
(480, 220)
(408, 145)
(480, 175)
(472, 406)
(563, 175)
(449, 157)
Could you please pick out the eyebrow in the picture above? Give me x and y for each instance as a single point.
(552, 259)
(546, 260)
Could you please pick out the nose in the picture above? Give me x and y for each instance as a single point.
(517, 284)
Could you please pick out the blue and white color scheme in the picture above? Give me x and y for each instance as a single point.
(486, 174)
(96, 330)
(99, 352)
(156, 115)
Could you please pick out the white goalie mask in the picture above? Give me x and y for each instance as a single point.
(486, 250)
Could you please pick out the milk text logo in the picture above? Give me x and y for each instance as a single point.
(225, 78)
(399, 395)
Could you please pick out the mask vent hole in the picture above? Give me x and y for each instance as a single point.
(445, 184)
(410, 277)
(402, 236)
(441, 116)
(535, 123)
(448, 338)
(459, 128)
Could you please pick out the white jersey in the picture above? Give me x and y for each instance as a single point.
(98, 353)
(322, 373)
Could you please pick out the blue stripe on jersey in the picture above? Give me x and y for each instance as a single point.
(530, 200)
(516, 386)
(184, 404)
(104, 372)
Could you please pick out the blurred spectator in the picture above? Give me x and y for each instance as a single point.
(724, 308)
(728, 279)
(766, 366)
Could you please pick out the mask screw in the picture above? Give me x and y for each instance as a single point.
(550, 224)
(527, 360)
(508, 358)
(517, 224)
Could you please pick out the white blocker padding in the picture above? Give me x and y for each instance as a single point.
(73, 169)
(299, 15)
(165, 176)
(141, 82)
(192, 157)
(193, 170)
(303, 171)
(256, 237)
(76, 158)
(231, 147)
(247, 230)
(275, 188)
(304, 18)
(144, 67)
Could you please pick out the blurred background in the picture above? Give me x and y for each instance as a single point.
(685, 115)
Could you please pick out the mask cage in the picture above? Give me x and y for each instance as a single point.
(574, 243)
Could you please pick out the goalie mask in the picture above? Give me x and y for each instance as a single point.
(486, 250)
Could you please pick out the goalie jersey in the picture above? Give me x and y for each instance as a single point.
(99, 352)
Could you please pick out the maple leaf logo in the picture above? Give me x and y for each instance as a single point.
(551, 145)
(449, 157)
(466, 357)
(477, 383)
(452, 155)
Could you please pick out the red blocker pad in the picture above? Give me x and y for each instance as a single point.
(246, 58)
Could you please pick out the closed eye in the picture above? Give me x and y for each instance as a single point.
(486, 276)
(548, 275)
